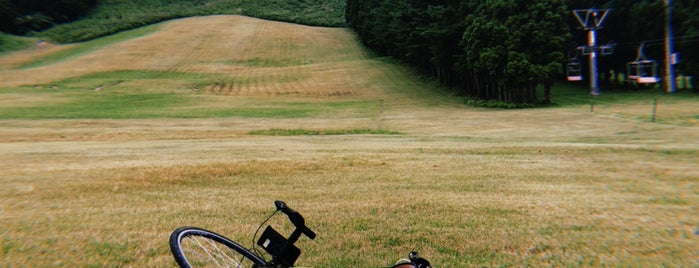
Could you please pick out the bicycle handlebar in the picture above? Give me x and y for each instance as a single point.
(295, 219)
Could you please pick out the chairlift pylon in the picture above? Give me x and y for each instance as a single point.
(642, 70)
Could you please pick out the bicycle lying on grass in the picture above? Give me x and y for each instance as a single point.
(196, 247)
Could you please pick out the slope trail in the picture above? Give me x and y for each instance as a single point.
(251, 57)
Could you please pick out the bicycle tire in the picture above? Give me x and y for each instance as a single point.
(196, 247)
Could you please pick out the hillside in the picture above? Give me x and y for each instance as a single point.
(237, 55)
(229, 44)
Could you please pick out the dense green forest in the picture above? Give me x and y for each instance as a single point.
(20, 17)
(503, 49)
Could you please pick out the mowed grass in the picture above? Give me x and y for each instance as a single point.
(52, 102)
(460, 204)
(105, 152)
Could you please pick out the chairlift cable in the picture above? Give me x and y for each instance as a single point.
(659, 41)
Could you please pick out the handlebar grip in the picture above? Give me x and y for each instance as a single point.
(295, 218)
(281, 206)
(308, 232)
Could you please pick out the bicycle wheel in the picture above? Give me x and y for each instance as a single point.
(195, 247)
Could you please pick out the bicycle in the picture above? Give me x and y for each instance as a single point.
(413, 261)
(196, 247)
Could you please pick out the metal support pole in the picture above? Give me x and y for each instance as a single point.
(591, 20)
(592, 42)
(670, 83)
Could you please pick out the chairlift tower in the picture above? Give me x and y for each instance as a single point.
(591, 20)
(670, 83)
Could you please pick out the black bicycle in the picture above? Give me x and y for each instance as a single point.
(196, 247)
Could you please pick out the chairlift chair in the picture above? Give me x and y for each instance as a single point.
(642, 70)
(574, 72)
(574, 68)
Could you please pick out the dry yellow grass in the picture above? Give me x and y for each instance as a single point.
(465, 187)
(313, 61)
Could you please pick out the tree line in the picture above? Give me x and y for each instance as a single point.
(68, 21)
(23, 16)
(504, 49)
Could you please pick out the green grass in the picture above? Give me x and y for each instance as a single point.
(157, 94)
(664, 200)
(154, 94)
(569, 94)
(118, 104)
(307, 132)
(87, 104)
(11, 43)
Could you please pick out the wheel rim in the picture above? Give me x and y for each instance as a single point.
(197, 248)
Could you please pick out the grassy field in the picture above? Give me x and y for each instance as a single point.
(108, 146)
(13, 43)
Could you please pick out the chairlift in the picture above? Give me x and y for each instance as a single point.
(573, 70)
(642, 70)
